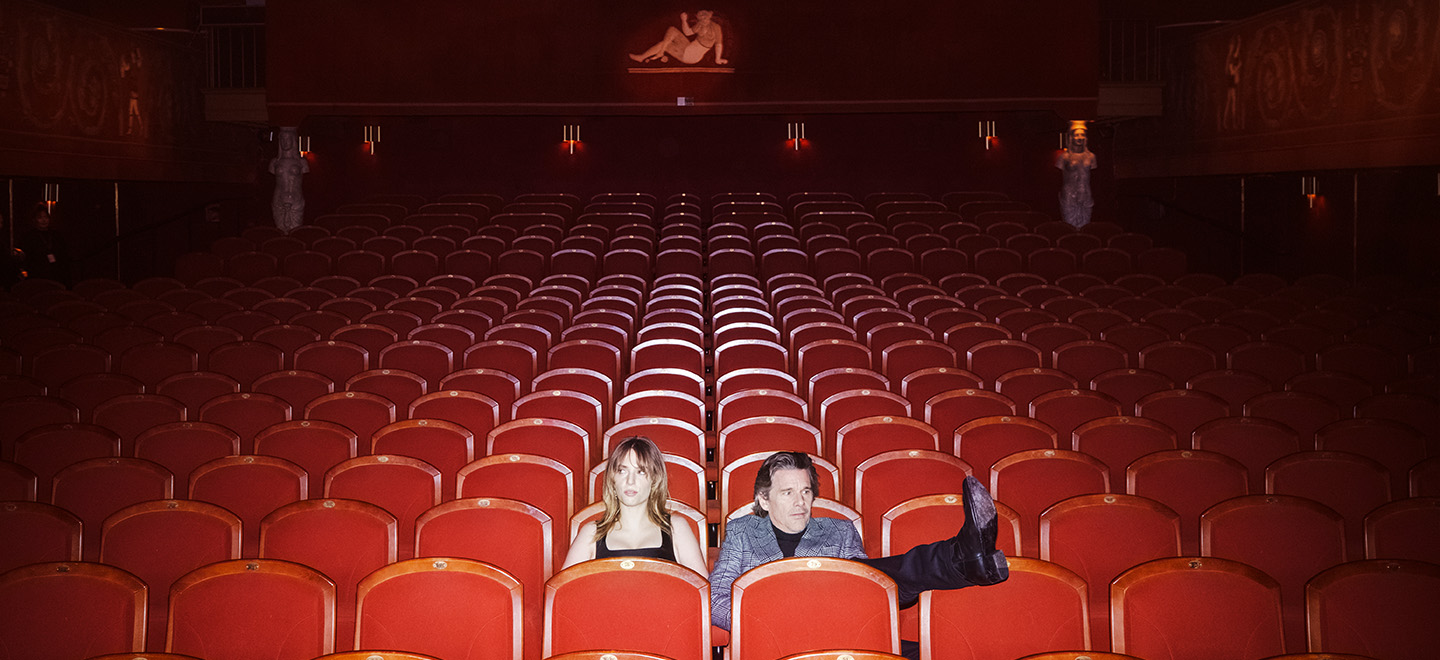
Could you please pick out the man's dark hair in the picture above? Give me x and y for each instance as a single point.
(783, 460)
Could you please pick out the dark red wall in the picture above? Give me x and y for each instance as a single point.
(1363, 222)
(356, 57)
(927, 152)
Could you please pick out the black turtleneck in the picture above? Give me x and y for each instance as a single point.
(788, 542)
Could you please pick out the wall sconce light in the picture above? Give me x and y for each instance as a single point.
(372, 137)
(1307, 188)
(987, 132)
(795, 133)
(303, 143)
(572, 137)
(52, 196)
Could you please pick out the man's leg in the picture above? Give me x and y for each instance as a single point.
(967, 559)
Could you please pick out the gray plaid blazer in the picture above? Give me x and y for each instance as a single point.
(750, 542)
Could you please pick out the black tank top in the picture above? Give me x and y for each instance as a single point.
(665, 550)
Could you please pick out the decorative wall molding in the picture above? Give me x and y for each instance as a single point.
(1324, 84)
(81, 98)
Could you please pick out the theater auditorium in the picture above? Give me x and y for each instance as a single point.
(319, 320)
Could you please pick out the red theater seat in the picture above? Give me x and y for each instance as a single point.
(343, 539)
(51, 534)
(892, 477)
(677, 598)
(1253, 441)
(63, 610)
(1188, 607)
(1381, 608)
(1031, 481)
(1099, 537)
(161, 540)
(1291, 539)
(865, 617)
(1043, 606)
(229, 610)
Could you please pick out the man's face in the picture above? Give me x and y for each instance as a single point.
(789, 499)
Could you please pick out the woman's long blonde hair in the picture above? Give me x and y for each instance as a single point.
(649, 458)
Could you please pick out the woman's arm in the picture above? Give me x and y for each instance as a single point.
(685, 25)
(687, 548)
(582, 547)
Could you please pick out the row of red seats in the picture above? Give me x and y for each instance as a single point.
(1188, 481)
(313, 534)
(976, 425)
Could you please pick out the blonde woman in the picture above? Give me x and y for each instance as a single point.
(636, 522)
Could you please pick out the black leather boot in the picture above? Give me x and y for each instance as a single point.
(975, 554)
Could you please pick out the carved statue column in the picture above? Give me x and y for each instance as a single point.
(1075, 163)
(288, 166)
